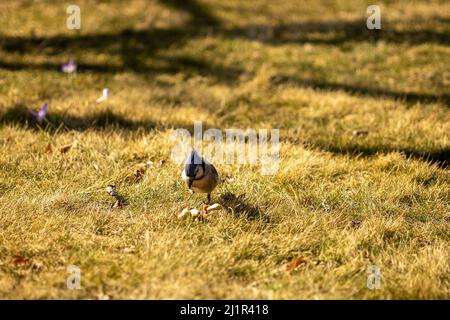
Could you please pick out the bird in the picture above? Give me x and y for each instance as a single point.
(200, 175)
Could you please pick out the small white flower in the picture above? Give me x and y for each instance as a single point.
(105, 95)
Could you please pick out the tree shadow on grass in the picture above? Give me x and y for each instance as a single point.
(141, 52)
(172, 65)
(199, 14)
(130, 43)
(333, 33)
(409, 97)
(439, 157)
(20, 115)
(138, 50)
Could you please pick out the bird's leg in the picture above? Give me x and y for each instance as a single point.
(208, 198)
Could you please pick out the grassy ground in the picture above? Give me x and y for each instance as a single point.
(339, 200)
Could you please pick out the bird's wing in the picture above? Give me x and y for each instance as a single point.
(214, 171)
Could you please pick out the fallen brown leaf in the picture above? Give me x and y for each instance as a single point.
(139, 172)
(20, 261)
(65, 149)
(48, 148)
(296, 262)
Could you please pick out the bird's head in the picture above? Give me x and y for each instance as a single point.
(194, 167)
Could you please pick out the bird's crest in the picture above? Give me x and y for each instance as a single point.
(192, 161)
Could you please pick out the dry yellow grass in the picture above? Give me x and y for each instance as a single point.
(342, 201)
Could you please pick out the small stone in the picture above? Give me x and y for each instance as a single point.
(111, 190)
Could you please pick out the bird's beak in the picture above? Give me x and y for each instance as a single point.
(191, 180)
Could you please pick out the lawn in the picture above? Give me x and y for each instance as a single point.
(363, 177)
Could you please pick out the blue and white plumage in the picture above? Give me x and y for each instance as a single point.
(200, 175)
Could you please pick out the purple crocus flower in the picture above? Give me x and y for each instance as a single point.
(69, 67)
(40, 115)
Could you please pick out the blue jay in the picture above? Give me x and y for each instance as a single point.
(200, 175)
